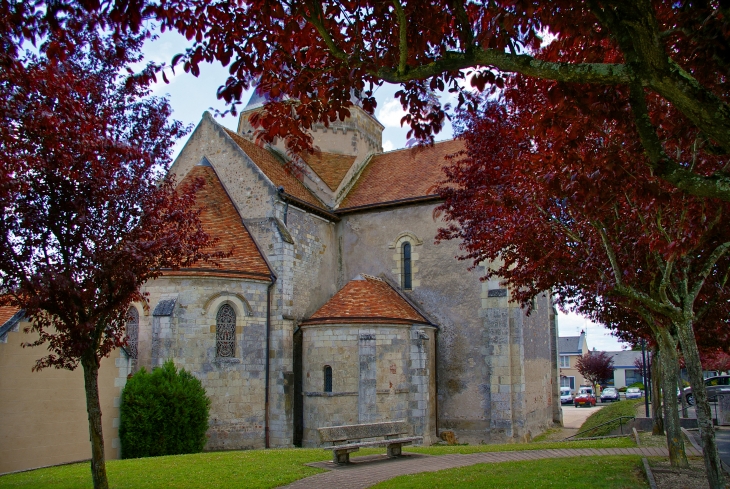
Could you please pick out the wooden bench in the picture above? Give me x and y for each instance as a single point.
(351, 435)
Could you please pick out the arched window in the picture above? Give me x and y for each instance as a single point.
(406, 263)
(327, 378)
(132, 332)
(225, 332)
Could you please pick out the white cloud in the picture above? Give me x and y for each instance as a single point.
(597, 335)
(388, 145)
(391, 113)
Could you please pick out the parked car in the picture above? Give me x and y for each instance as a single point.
(585, 397)
(633, 393)
(566, 396)
(713, 385)
(610, 394)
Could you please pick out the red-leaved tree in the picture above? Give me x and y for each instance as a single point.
(308, 57)
(86, 219)
(565, 204)
(596, 367)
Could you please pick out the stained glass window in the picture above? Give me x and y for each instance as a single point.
(225, 332)
(132, 332)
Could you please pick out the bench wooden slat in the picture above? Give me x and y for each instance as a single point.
(360, 431)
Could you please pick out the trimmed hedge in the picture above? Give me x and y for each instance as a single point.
(164, 412)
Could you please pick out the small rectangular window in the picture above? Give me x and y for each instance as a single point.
(327, 378)
(564, 361)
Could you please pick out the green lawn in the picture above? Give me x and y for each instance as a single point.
(574, 473)
(612, 411)
(255, 469)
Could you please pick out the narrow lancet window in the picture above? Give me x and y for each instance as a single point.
(132, 332)
(225, 332)
(327, 378)
(407, 284)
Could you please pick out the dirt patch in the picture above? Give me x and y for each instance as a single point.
(668, 477)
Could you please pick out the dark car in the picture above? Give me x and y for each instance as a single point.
(713, 385)
(610, 394)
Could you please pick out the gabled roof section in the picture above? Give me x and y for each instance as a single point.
(330, 167)
(366, 299)
(624, 358)
(401, 175)
(9, 317)
(275, 171)
(569, 344)
(221, 220)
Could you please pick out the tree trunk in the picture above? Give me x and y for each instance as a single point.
(682, 399)
(657, 428)
(90, 365)
(702, 406)
(675, 442)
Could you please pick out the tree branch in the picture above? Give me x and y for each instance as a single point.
(403, 37)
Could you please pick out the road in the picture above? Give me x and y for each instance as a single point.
(574, 417)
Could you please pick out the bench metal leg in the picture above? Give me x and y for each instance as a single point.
(394, 450)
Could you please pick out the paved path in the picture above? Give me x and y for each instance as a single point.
(371, 470)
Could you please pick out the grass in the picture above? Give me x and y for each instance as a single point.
(613, 411)
(255, 469)
(579, 472)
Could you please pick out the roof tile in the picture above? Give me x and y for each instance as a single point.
(275, 170)
(330, 167)
(366, 299)
(221, 220)
(402, 174)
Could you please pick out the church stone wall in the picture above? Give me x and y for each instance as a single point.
(234, 385)
(248, 187)
(481, 361)
(379, 373)
(539, 381)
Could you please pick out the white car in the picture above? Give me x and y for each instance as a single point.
(566, 396)
(633, 393)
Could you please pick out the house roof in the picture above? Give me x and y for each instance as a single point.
(571, 344)
(9, 317)
(221, 220)
(400, 175)
(330, 167)
(367, 299)
(624, 358)
(275, 171)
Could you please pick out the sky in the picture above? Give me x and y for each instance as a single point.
(191, 96)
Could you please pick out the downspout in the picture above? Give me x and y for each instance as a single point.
(267, 368)
(436, 378)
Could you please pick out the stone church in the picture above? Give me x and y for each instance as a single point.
(336, 305)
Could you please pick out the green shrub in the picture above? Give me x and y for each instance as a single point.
(164, 412)
(637, 384)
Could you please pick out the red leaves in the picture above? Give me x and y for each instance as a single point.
(596, 367)
(85, 221)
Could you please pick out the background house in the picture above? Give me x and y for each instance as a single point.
(569, 349)
(626, 372)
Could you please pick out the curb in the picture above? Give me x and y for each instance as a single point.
(649, 475)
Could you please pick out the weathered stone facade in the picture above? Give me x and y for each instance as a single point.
(453, 352)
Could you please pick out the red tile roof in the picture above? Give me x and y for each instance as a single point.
(403, 174)
(366, 299)
(275, 171)
(330, 167)
(6, 313)
(221, 220)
